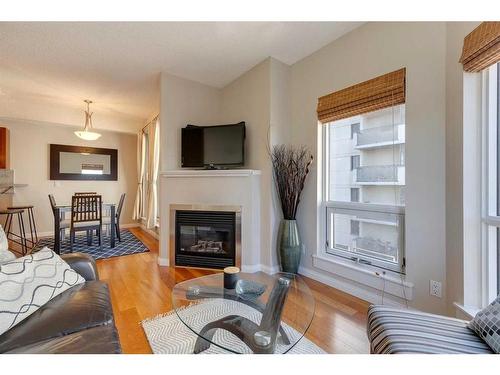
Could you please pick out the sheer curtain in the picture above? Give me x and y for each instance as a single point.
(153, 169)
(141, 159)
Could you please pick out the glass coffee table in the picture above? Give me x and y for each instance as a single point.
(263, 314)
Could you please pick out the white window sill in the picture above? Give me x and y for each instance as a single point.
(391, 282)
(469, 311)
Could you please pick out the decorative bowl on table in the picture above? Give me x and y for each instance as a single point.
(248, 289)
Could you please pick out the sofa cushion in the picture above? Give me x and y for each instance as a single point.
(5, 254)
(30, 282)
(84, 306)
(487, 324)
(98, 340)
(392, 331)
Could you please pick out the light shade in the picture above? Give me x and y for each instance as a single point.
(86, 135)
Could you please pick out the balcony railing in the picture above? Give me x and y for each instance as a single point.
(382, 136)
(379, 175)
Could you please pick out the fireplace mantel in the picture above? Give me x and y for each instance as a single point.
(183, 173)
(199, 188)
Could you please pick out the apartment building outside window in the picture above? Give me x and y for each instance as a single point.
(491, 177)
(364, 176)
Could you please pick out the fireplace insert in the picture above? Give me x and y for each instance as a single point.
(205, 238)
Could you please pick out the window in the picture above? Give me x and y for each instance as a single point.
(354, 194)
(355, 227)
(355, 129)
(491, 192)
(355, 162)
(144, 197)
(364, 188)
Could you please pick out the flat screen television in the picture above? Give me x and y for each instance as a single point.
(219, 146)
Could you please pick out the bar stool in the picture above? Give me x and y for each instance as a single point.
(31, 220)
(20, 238)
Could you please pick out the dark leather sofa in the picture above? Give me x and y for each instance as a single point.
(79, 320)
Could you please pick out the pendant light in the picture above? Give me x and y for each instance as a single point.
(87, 133)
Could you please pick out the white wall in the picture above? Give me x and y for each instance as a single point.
(367, 52)
(455, 33)
(248, 99)
(29, 155)
(182, 102)
(260, 97)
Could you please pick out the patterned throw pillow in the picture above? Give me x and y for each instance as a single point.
(30, 282)
(4, 244)
(486, 324)
(5, 254)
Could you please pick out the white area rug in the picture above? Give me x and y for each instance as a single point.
(168, 335)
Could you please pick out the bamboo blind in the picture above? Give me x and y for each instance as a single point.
(377, 93)
(481, 47)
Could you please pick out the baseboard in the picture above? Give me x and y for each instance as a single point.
(149, 231)
(163, 262)
(270, 270)
(130, 225)
(372, 296)
(43, 234)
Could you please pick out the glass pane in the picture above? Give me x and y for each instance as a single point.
(368, 152)
(364, 234)
(492, 268)
(205, 239)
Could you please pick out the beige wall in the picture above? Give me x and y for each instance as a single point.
(260, 98)
(30, 161)
(183, 102)
(248, 99)
(367, 52)
(455, 33)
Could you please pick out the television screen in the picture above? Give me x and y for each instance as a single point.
(213, 146)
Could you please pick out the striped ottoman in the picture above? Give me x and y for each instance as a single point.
(395, 331)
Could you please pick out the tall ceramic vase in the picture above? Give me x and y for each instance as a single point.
(289, 246)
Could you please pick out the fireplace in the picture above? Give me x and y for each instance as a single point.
(206, 238)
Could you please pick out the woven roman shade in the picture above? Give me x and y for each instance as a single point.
(377, 93)
(481, 47)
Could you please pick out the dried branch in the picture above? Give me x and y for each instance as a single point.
(291, 167)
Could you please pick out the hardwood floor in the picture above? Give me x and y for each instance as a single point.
(141, 289)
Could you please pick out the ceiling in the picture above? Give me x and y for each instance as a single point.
(118, 64)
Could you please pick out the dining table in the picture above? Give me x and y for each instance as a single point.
(62, 209)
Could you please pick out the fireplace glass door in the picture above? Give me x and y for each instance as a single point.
(205, 238)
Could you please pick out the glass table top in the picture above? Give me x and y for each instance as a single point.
(263, 314)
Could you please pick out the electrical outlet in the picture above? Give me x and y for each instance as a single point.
(435, 289)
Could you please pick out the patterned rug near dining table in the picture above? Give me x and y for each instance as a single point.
(168, 335)
(129, 244)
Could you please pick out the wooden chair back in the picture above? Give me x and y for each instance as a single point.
(86, 208)
(86, 193)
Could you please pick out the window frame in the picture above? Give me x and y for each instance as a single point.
(145, 177)
(326, 205)
(490, 200)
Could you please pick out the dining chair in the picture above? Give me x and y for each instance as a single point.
(107, 219)
(63, 223)
(86, 216)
